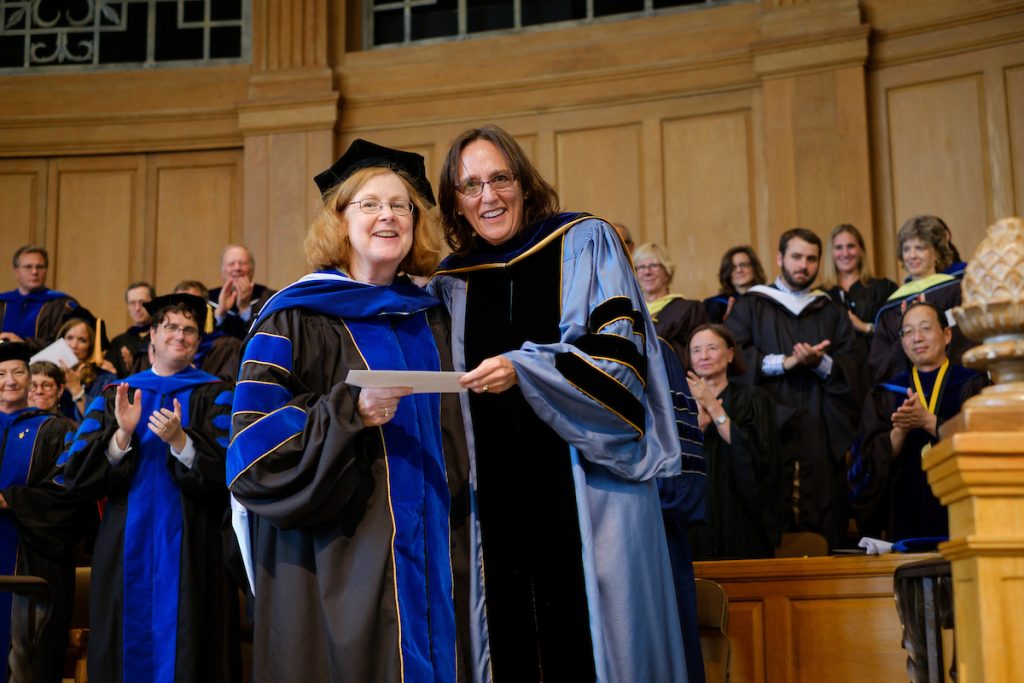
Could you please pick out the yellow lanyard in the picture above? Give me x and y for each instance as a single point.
(931, 404)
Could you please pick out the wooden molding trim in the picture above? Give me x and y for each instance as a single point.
(288, 115)
(786, 57)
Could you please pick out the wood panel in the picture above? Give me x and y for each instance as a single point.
(709, 195)
(1014, 79)
(194, 211)
(939, 151)
(22, 204)
(94, 224)
(819, 619)
(599, 170)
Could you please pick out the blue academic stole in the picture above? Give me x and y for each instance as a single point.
(153, 536)
(418, 496)
(19, 439)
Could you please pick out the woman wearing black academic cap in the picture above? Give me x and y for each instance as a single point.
(353, 498)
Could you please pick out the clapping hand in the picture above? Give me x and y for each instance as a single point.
(912, 415)
(127, 414)
(166, 424)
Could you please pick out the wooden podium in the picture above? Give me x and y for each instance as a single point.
(977, 470)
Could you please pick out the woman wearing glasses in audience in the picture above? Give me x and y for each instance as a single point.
(47, 386)
(739, 271)
(570, 422)
(924, 250)
(675, 318)
(354, 499)
(849, 282)
(900, 422)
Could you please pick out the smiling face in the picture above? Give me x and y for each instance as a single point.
(923, 338)
(378, 241)
(14, 381)
(653, 278)
(918, 258)
(236, 262)
(494, 215)
(77, 338)
(174, 343)
(43, 392)
(742, 276)
(799, 265)
(846, 253)
(30, 272)
(710, 355)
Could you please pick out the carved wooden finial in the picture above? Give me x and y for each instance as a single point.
(993, 303)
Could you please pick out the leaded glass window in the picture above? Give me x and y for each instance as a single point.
(40, 35)
(397, 22)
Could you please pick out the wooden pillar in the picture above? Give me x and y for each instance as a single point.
(287, 123)
(977, 470)
(810, 60)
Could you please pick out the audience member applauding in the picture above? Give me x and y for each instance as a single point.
(31, 312)
(129, 351)
(87, 378)
(923, 248)
(674, 317)
(38, 526)
(741, 449)
(849, 282)
(153, 445)
(739, 271)
(219, 353)
(239, 299)
(900, 421)
(46, 387)
(800, 348)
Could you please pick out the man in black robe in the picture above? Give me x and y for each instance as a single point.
(800, 348)
(161, 606)
(239, 299)
(129, 351)
(901, 421)
(38, 525)
(31, 312)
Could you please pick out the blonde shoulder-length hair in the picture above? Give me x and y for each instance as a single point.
(327, 244)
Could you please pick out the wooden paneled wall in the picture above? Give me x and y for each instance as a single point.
(107, 221)
(699, 129)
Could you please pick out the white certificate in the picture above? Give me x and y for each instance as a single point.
(56, 352)
(420, 381)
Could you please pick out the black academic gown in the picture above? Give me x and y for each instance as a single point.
(864, 301)
(129, 351)
(744, 498)
(161, 605)
(676, 322)
(339, 591)
(232, 324)
(716, 307)
(886, 358)
(40, 528)
(896, 493)
(823, 413)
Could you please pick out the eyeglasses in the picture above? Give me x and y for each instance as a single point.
(45, 387)
(648, 266)
(372, 206)
(172, 329)
(32, 266)
(18, 374)
(742, 266)
(923, 328)
(474, 186)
